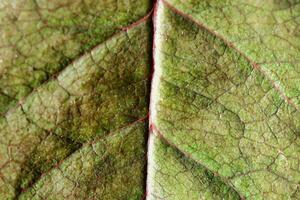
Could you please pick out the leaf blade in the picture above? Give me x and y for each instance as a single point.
(40, 38)
(99, 170)
(215, 107)
(95, 95)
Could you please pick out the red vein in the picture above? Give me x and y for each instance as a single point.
(143, 19)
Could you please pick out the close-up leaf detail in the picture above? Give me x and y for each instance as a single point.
(156, 100)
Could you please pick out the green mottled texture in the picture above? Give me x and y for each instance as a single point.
(41, 37)
(100, 92)
(177, 177)
(224, 109)
(266, 31)
(108, 169)
(221, 112)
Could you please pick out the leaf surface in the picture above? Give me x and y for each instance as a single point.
(39, 38)
(224, 114)
(174, 176)
(219, 108)
(101, 169)
(99, 92)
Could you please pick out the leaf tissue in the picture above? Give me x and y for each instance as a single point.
(156, 100)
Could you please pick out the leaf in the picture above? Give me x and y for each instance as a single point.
(99, 93)
(39, 38)
(75, 90)
(217, 101)
(97, 170)
(177, 177)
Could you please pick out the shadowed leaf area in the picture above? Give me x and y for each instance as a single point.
(216, 81)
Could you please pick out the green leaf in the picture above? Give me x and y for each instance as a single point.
(217, 99)
(100, 91)
(101, 169)
(224, 116)
(174, 176)
(39, 38)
